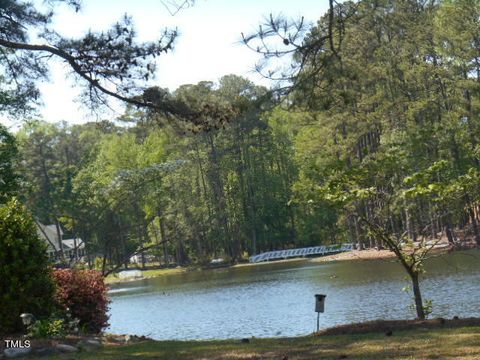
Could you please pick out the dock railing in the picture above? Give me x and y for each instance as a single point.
(301, 252)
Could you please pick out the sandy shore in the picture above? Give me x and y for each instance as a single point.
(372, 254)
(369, 254)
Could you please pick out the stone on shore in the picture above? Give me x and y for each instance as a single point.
(46, 351)
(16, 352)
(89, 345)
(66, 348)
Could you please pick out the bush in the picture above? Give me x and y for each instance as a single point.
(48, 328)
(25, 282)
(56, 326)
(83, 294)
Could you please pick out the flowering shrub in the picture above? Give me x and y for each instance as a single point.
(83, 294)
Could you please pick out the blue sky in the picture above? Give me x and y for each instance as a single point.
(208, 47)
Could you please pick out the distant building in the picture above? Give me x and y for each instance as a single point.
(72, 248)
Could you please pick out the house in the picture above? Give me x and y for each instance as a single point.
(72, 248)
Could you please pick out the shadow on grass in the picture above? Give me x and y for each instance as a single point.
(445, 343)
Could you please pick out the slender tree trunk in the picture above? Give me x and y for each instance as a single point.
(124, 251)
(360, 245)
(417, 296)
(104, 263)
(476, 233)
(254, 240)
(163, 239)
(448, 232)
(75, 248)
(432, 222)
(409, 223)
(59, 238)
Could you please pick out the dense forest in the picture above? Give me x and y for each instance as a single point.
(380, 130)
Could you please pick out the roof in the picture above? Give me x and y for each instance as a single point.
(50, 235)
(70, 243)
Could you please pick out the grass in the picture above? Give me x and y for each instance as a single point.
(441, 343)
(113, 278)
(162, 272)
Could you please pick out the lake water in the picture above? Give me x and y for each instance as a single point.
(277, 299)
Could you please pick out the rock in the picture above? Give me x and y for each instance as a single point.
(13, 353)
(89, 344)
(46, 351)
(66, 348)
(94, 342)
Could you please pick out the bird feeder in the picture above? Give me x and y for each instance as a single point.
(319, 307)
(320, 303)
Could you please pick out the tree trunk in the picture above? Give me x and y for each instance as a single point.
(124, 251)
(410, 227)
(360, 245)
(448, 232)
(476, 233)
(417, 296)
(59, 238)
(75, 247)
(163, 239)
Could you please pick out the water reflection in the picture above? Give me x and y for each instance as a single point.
(277, 299)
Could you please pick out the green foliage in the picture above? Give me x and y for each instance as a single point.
(57, 325)
(427, 307)
(8, 156)
(47, 328)
(218, 193)
(25, 283)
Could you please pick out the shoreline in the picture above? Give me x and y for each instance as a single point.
(353, 255)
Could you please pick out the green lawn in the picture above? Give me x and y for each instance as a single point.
(446, 343)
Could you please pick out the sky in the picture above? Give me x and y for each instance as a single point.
(209, 45)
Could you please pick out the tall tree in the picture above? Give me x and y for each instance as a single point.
(9, 178)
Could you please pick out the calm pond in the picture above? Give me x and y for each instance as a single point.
(277, 299)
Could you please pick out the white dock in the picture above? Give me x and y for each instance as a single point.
(301, 252)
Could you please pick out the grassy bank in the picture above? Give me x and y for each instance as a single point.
(441, 343)
(113, 278)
